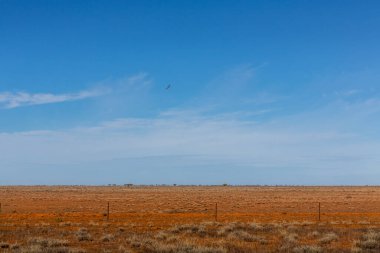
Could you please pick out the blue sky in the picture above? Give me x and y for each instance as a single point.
(262, 92)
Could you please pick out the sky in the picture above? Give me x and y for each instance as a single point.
(261, 92)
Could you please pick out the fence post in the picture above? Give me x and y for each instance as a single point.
(108, 211)
(216, 211)
(319, 211)
(0, 207)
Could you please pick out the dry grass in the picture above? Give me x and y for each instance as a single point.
(83, 235)
(328, 238)
(251, 219)
(107, 238)
(368, 242)
(42, 245)
(308, 249)
(205, 237)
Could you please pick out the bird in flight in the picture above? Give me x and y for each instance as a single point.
(168, 87)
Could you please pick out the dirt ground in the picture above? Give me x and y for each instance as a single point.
(141, 213)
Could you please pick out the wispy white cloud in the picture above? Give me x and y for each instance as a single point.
(184, 143)
(235, 144)
(234, 92)
(134, 82)
(11, 100)
(229, 85)
(349, 93)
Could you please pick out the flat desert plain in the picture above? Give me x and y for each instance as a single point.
(189, 219)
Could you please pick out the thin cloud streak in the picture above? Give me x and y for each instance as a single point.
(9, 100)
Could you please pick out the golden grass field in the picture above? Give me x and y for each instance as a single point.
(183, 219)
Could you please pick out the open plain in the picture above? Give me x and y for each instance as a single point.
(189, 219)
